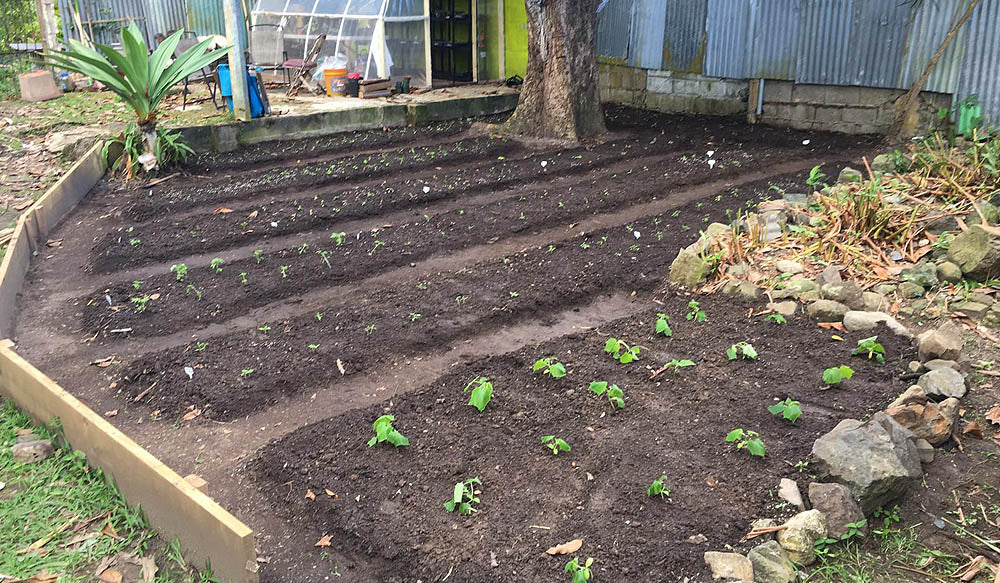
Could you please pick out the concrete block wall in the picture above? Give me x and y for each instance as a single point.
(671, 92)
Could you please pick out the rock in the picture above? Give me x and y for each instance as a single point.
(974, 310)
(928, 420)
(827, 310)
(196, 481)
(944, 342)
(836, 504)
(992, 317)
(926, 451)
(797, 200)
(786, 308)
(32, 451)
(915, 366)
(729, 566)
(789, 266)
(943, 382)
(72, 143)
(794, 288)
(876, 459)
(788, 491)
(989, 211)
(886, 289)
(875, 302)
(939, 223)
(688, 269)
(709, 236)
(910, 290)
(941, 363)
(25, 437)
(829, 275)
(697, 539)
(800, 534)
(809, 296)
(738, 270)
(770, 564)
(849, 174)
(977, 253)
(923, 274)
(857, 320)
(747, 290)
(764, 523)
(883, 163)
(913, 394)
(845, 292)
(949, 272)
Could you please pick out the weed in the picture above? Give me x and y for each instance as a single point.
(663, 326)
(695, 313)
(677, 364)
(284, 271)
(134, 242)
(513, 294)
(482, 392)
(216, 264)
(658, 488)
(303, 248)
(888, 517)
(421, 285)
(370, 329)
(870, 348)
(556, 444)
(464, 496)
(246, 372)
(136, 285)
(621, 351)
(313, 346)
(258, 255)
(200, 346)
(378, 243)
(325, 256)
(854, 530)
(180, 269)
(190, 288)
(461, 299)
(834, 375)
(615, 395)
(788, 409)
(265, 328)
(551, 366)
(580, 573)
(750, 440)
(776, 318)
(816, 177)
(140, 303)
(243, 278)
(384, 431)
(743, 350)
(414, 316)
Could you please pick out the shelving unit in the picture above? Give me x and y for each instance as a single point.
(452, 40)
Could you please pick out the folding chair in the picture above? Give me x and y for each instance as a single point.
(267, 49)
(304, 67)
(204, 74)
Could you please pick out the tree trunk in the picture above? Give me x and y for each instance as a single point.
(560, 97)
(907, 107)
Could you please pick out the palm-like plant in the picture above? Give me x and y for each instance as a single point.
(141, 79)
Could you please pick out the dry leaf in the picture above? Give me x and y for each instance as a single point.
(839, 326)
(111, 576)
(54, 243)
(109, 530)
(192, 414)
(103, 362)
(310, 495)
(993, 415)
(331, 494)
(252, 215)
(324, 541)
(149, 569)
(222, 211)
(712, 482)
(340, 366)
(566, 548)
(23, 204)
(973, 429)
(42, 576)
(111, 413)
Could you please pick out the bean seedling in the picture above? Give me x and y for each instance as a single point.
(319, 316)
(384, 431)
(834, 375)
(621, 351)
(871, 348)
(325, 256)
(464, 496)
(284, 271)
(180, 269)
(140, 303)
(746, 439)
(663, 325)
(695, 313)
(776, 318)
(264, 328)
(216, 264)
(200, 346)
(658, 488)
(339, 237)
(551, 366)
(258, 255)
(580, 573)
(137, 284)
(741, 349)
(246, 372)
(556, 444)
(197, 292)
(243, 278)
(482, 392)
(788, 409)
(614, 393)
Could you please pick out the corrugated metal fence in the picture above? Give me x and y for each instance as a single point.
(103, 19)
(870, 43)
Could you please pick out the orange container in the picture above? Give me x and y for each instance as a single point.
(335, 81)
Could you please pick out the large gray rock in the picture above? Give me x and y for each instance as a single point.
(800, 535)
(883, 163)
(829, 275)
(786, 308)
(876, 459)
(949, 272)
(729, 566)
(992, 317)
(974, 310)
(32, 451)
(943, 382)
(845, 292)
(688, 269)
(923, 274)
(771, 564)
(990, 212)
(977, 252)
(875, 302)
(837, 505)
(827, 311)
(788, 491)
(944, 342)
(910, 290)
(849, 174)
(858, 320)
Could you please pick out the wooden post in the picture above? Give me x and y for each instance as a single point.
(237, 62)
(48, 26)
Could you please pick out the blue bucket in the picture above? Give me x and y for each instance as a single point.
(226, 90)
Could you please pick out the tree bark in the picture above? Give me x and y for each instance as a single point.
(560, 97)
(911, 101)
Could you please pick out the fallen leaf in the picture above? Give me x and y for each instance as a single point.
(42, 576)
(103, 362)
(973, 429)
(252, 215)
(111, 413)
(23, 204)
(566, 548)
(109, 530)
(222, 211)
(993, 415)
(340, 366)
(331, 494)
(54, 243)
(324, 541)
(154, 296)
(192, 414)
(149, 569)
(310, 495)
(111, 576)
(839, 326)
(712, 482)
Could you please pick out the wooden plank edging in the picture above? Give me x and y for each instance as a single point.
(206, 530)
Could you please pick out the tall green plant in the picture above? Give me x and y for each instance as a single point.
(141, 79)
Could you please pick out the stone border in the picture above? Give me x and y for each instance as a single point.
(174, 507)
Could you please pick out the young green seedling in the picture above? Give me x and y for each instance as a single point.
(284, 271)
(384, 431)
(871, 348)
(580, 573)
(190, 288)
(788, 409)
(658, 488)
(615, 395)
(180, 270)
(303, 248)
(243, 278)
(464, 496)
(695, 313)
(776, 318)
(216, 264)
(136, 284)
(621, 351)
(673, 364)
(325, 256)
(246, 372)
(319, 316)
(743, 350)
(200, 346)
(339, 237)
(551, 366)
(834, 375)
(482, 392)
(140, 303)
(663, 325)
(556, 444)
(258, 255)
(746, 439)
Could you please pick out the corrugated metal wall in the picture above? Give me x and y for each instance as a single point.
(103, 19)
(206, 17)
(166, 16)
(869, 43)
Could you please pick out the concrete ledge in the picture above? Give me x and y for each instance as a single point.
(207, 532)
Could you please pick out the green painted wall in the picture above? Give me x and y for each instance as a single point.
(489, 40)
(515, 37)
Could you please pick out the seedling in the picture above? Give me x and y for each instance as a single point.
(414, 316)
(197, 292)
(854, 530)
(658, 488)
(615, 395)
(258, 255)
(663, 326)
(303, 248)
(482, 392)
(284, 271)
(319, 316)
(580, 573)
(750, 440)
(200, 346)
(140, 303)
(551, 366)
(243, 278)
(870, 348)
(464, 496)
(136, 284)
(776, 318)
(384, 431)
(216, 264)
(556, 444)
(339, 237)
(134, 242)
(788, 409)
(834, 375)
(816, 177)
(673, 364)
(695, 313)
(743, 350)
(370, 329)
(180, 269)
(264, 328)
(621, 351)
(313, 346)
(325, 256)
(246, 372)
